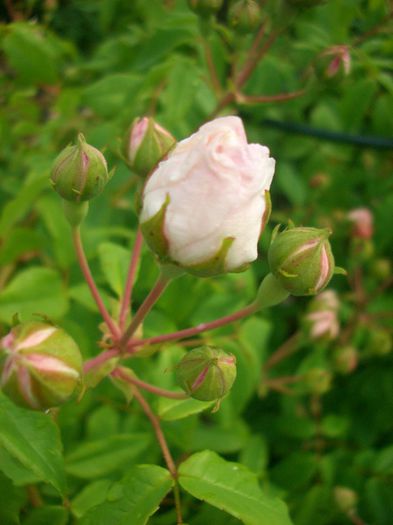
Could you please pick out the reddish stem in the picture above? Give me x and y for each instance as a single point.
(84, 265)
(155, 423)
(189, 332)
(144, 309)
(257, 99)
(148, 387)
(127, 297)
(100, 359)
(289, 347)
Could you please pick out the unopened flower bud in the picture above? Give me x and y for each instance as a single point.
(205, 206)
(345, 359)
(205, 7)
(146, 143)
(379, 342)
(80, 172)
(206, 373)
(362, 223)
(302, 260)
(40, 365)
(382, 268)
(346, 498)
(321, 319)
(245, 15)
(341, 59)
(318, 381)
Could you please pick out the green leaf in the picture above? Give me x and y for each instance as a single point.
(33, 439)
(114, 260)
(132, 500)
(231, 487)
(20, 241)
(172, 409)
(33, 291)
(11, 500)
(98, 458)
(92, 495)
(31, 54)
(54, 515)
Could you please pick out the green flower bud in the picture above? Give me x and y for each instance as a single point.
(80, 172)
(245, 15)
(379, 342)
(345, 359)
(145, 144)
(346, 498)
(40, 365)
(302, 260)
(206, 373)
(318, 381)
(205, 7)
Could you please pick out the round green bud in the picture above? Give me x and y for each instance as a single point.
(380, 342)
(145, 144)
(345, 359)
(245, 16)
(345, 498)
(80, 172)
(318, 381)
(206, 373)
(40, 365)
(205, 7)
(302, 260)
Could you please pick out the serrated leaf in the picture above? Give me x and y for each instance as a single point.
(33, 439)
(132, 500)
(231, 487)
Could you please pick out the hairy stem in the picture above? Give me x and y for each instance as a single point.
(84, 265)
(127, 297)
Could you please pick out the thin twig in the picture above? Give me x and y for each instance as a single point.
(190, 332)
(148, 387)
(155, 422)
(289, 347)
(84, 265)
(258, 99)
(127, 297)
(144, 309)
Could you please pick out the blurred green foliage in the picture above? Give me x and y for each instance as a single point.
(92, 67)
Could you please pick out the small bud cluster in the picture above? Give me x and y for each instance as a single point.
(321, 321)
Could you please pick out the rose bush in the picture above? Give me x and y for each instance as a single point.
(205, 206)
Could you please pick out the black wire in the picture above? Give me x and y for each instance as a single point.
(332, 136)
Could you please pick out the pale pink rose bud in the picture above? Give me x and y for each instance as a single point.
(362, 221)
(302, 260)
(40, 365)
(146, 143)
(341, 59)
(205, 206)
(321, 321)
